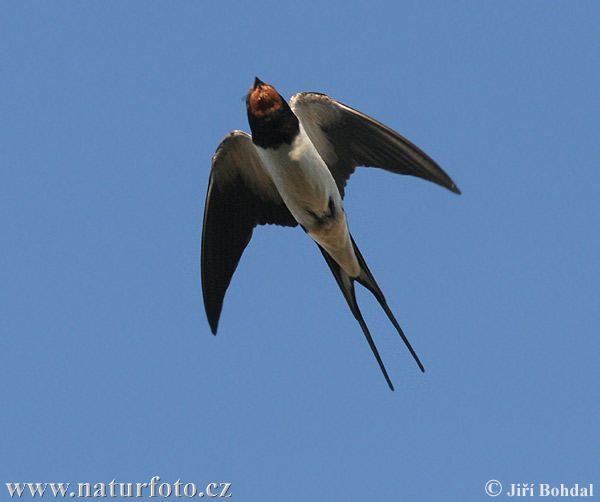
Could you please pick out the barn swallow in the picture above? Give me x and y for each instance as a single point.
(292, 171)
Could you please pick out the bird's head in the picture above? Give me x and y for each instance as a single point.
(263, 100)
(271, 119)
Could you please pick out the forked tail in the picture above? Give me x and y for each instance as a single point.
(346, 284)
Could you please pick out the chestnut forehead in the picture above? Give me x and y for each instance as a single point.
(264, 99)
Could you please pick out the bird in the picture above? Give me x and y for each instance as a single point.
(292, 171)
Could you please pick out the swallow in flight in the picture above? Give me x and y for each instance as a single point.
(292, 171)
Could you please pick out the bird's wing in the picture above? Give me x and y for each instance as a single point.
(346, 138)
(241, 195)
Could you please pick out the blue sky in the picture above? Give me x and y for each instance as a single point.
(111, 112)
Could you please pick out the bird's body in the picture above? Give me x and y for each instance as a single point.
(310, 193)
(293, 170)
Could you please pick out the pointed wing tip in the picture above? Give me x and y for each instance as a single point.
(212, 309)
(455, 189)
(450, 185)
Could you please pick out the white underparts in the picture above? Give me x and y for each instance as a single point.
(308, 190)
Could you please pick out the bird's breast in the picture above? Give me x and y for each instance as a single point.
(311, 194)
(303, 180)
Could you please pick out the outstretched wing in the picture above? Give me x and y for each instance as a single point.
(241, 195)
(346, 138)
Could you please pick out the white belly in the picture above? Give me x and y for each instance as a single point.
(302, 178)
(307, 186)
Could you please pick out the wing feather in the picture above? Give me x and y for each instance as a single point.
(241, 195)
(346, 138)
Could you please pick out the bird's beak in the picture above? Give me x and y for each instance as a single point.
(257, 83)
